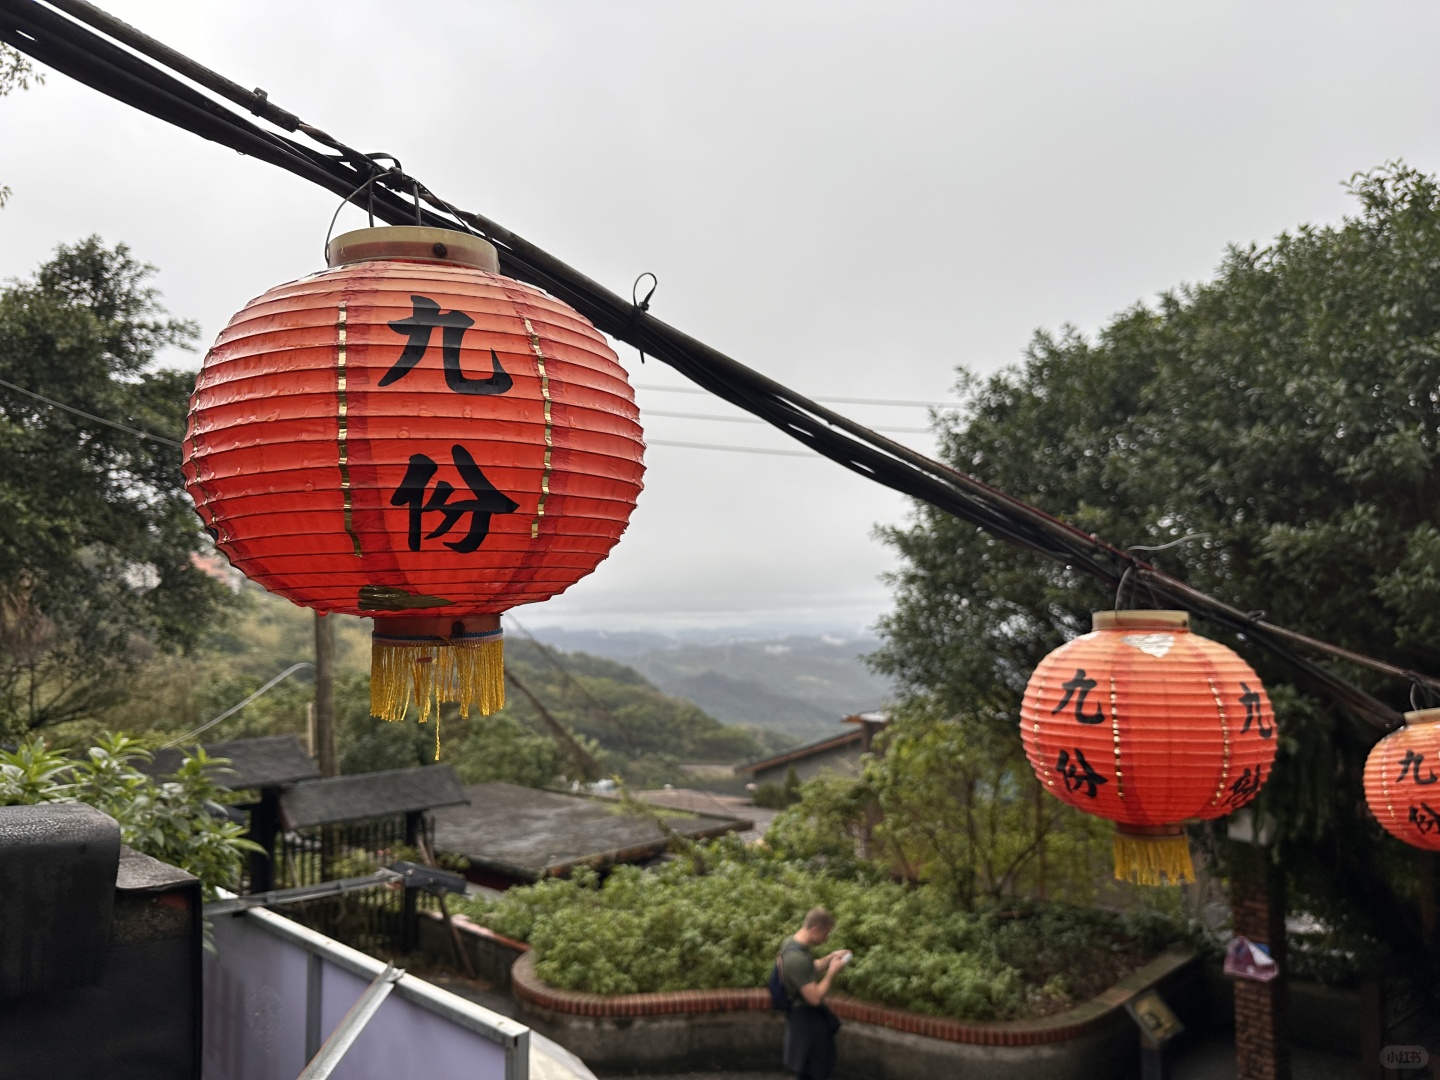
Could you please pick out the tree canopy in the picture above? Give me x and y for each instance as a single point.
(16, 73)
(96, 531)
(1283, 416)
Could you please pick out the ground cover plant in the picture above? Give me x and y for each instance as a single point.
(715, 916)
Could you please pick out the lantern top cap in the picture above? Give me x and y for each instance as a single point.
(1140, 620)
(1422, 716)
(413, 244)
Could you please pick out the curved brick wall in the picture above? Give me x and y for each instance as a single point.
(1051, 1029)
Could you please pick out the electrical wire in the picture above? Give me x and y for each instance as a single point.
(208, 724)
(549, 654)
(756, 420)
(828, 400)
(732, 449)
(70, 48)
(88, 416)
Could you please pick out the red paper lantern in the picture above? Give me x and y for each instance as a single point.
(1146, 724)
(411, 436)
(1402, 781)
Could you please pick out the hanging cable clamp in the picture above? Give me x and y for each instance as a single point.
(638, 306)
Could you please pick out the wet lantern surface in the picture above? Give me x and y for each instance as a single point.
(1146, 724)
(411, 436)
(1402, 783)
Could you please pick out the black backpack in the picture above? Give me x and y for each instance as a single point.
(779, 999)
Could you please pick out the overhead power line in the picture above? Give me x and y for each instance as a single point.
(599, 706)
(732, 449)
(756, 420)
(195, 732)
(88, 416)
(828, 400)
(397, 198)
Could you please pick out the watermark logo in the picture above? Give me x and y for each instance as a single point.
(1404, 1057)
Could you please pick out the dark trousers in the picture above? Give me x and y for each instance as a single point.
(810, 1041)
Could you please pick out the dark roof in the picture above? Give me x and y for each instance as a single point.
(524, 833)
(804, 750)
(254, 763)
(369, 795)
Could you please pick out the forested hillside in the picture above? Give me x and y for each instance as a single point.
(615, 715)
(798, 686)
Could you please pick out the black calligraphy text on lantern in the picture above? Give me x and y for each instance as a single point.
(1410, 761)
(1083, 685)
(1251, 700)
(1425, 818)
(1246, 786)
(1078, 773)
(486, 500)
(426, 317)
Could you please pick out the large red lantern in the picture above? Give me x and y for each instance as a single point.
(1402, 781)
(411, 436)
(1146, 724)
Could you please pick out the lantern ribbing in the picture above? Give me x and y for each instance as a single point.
(410, 437)
(1150, 726)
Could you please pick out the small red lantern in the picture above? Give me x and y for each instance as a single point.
(1402, 781)
(1146, 724)
(411, 436)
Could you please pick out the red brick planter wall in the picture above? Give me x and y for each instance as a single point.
(1061, 1027)
(706, 1030)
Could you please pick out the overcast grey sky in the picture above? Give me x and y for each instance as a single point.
(852, 198)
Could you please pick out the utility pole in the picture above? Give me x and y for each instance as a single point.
(325, 695)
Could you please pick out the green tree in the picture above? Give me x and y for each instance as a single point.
(96, 531)
(16, 73)
(1285, 416)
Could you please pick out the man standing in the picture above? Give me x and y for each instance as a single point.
(809, 1025)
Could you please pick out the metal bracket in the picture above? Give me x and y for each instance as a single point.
(349, 1029)
(302, 892)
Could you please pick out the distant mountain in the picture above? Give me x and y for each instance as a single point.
(798, 686)
(744, 701)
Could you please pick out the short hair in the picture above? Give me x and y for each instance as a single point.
(817, 918)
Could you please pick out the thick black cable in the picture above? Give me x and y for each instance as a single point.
(74, 50)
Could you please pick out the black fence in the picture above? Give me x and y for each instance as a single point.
(381, 920)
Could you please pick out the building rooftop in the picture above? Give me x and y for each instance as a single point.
(369, 795)
(271, 761)
(823, 745)
(526, 834)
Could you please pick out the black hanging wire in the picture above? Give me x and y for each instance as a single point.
(640, 307)
(68, 47)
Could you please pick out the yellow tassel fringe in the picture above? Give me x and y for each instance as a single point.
(469, 673)
(1142, 859)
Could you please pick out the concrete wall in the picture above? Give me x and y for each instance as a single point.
(735, 1030)
(491, 955)
(843, 760)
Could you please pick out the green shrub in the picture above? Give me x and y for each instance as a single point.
(170, 820)
(716, 920)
